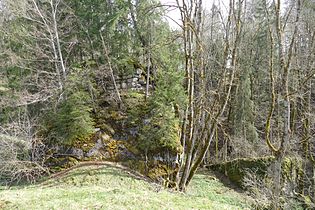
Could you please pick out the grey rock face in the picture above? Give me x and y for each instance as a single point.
(78, 153)
(124, 85)
(95, 150)
(134, 131)
(124, 153)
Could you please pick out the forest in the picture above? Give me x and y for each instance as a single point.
(227, 87)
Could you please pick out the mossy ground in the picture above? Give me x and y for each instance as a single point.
(105, 187)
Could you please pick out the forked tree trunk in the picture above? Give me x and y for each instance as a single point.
(284, 112)
(195, 137)
(110, 68)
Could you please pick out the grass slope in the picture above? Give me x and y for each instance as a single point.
(110, 187)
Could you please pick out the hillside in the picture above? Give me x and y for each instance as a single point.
(230, 89)
(115, 187)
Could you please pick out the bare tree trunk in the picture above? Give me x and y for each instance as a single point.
(189, 36)
(110, 68)
(148, 67)
(54, 8)
(198, 137)
(277, 182)
(52, 42)
(284, 94)
(313, 181)
(211, 132)
(148, 78)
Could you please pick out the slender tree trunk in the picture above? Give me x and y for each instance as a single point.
(284, 105)
(57, 60)
(110, 68)
(148, 67)
(54, 8)
(277, 182)
(199, 137)
(148, 78)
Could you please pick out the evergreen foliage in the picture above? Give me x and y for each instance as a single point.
(244, 110)
(71, 121)
(161, 129)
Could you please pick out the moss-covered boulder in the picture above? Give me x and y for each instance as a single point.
(157, 171)
(237, 169)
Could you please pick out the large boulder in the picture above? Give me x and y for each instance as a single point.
(236, 170)
(109, 149)
(76, 152)
(95, 151)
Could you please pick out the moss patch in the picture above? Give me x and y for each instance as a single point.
(60, 163)
(236, 170)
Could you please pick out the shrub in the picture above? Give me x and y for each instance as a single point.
(71, 121)
(160, 131)
(15, 161)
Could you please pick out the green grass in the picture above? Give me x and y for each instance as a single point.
(104, 187)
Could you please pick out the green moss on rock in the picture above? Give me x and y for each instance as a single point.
(60, 163)
(237, 169)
